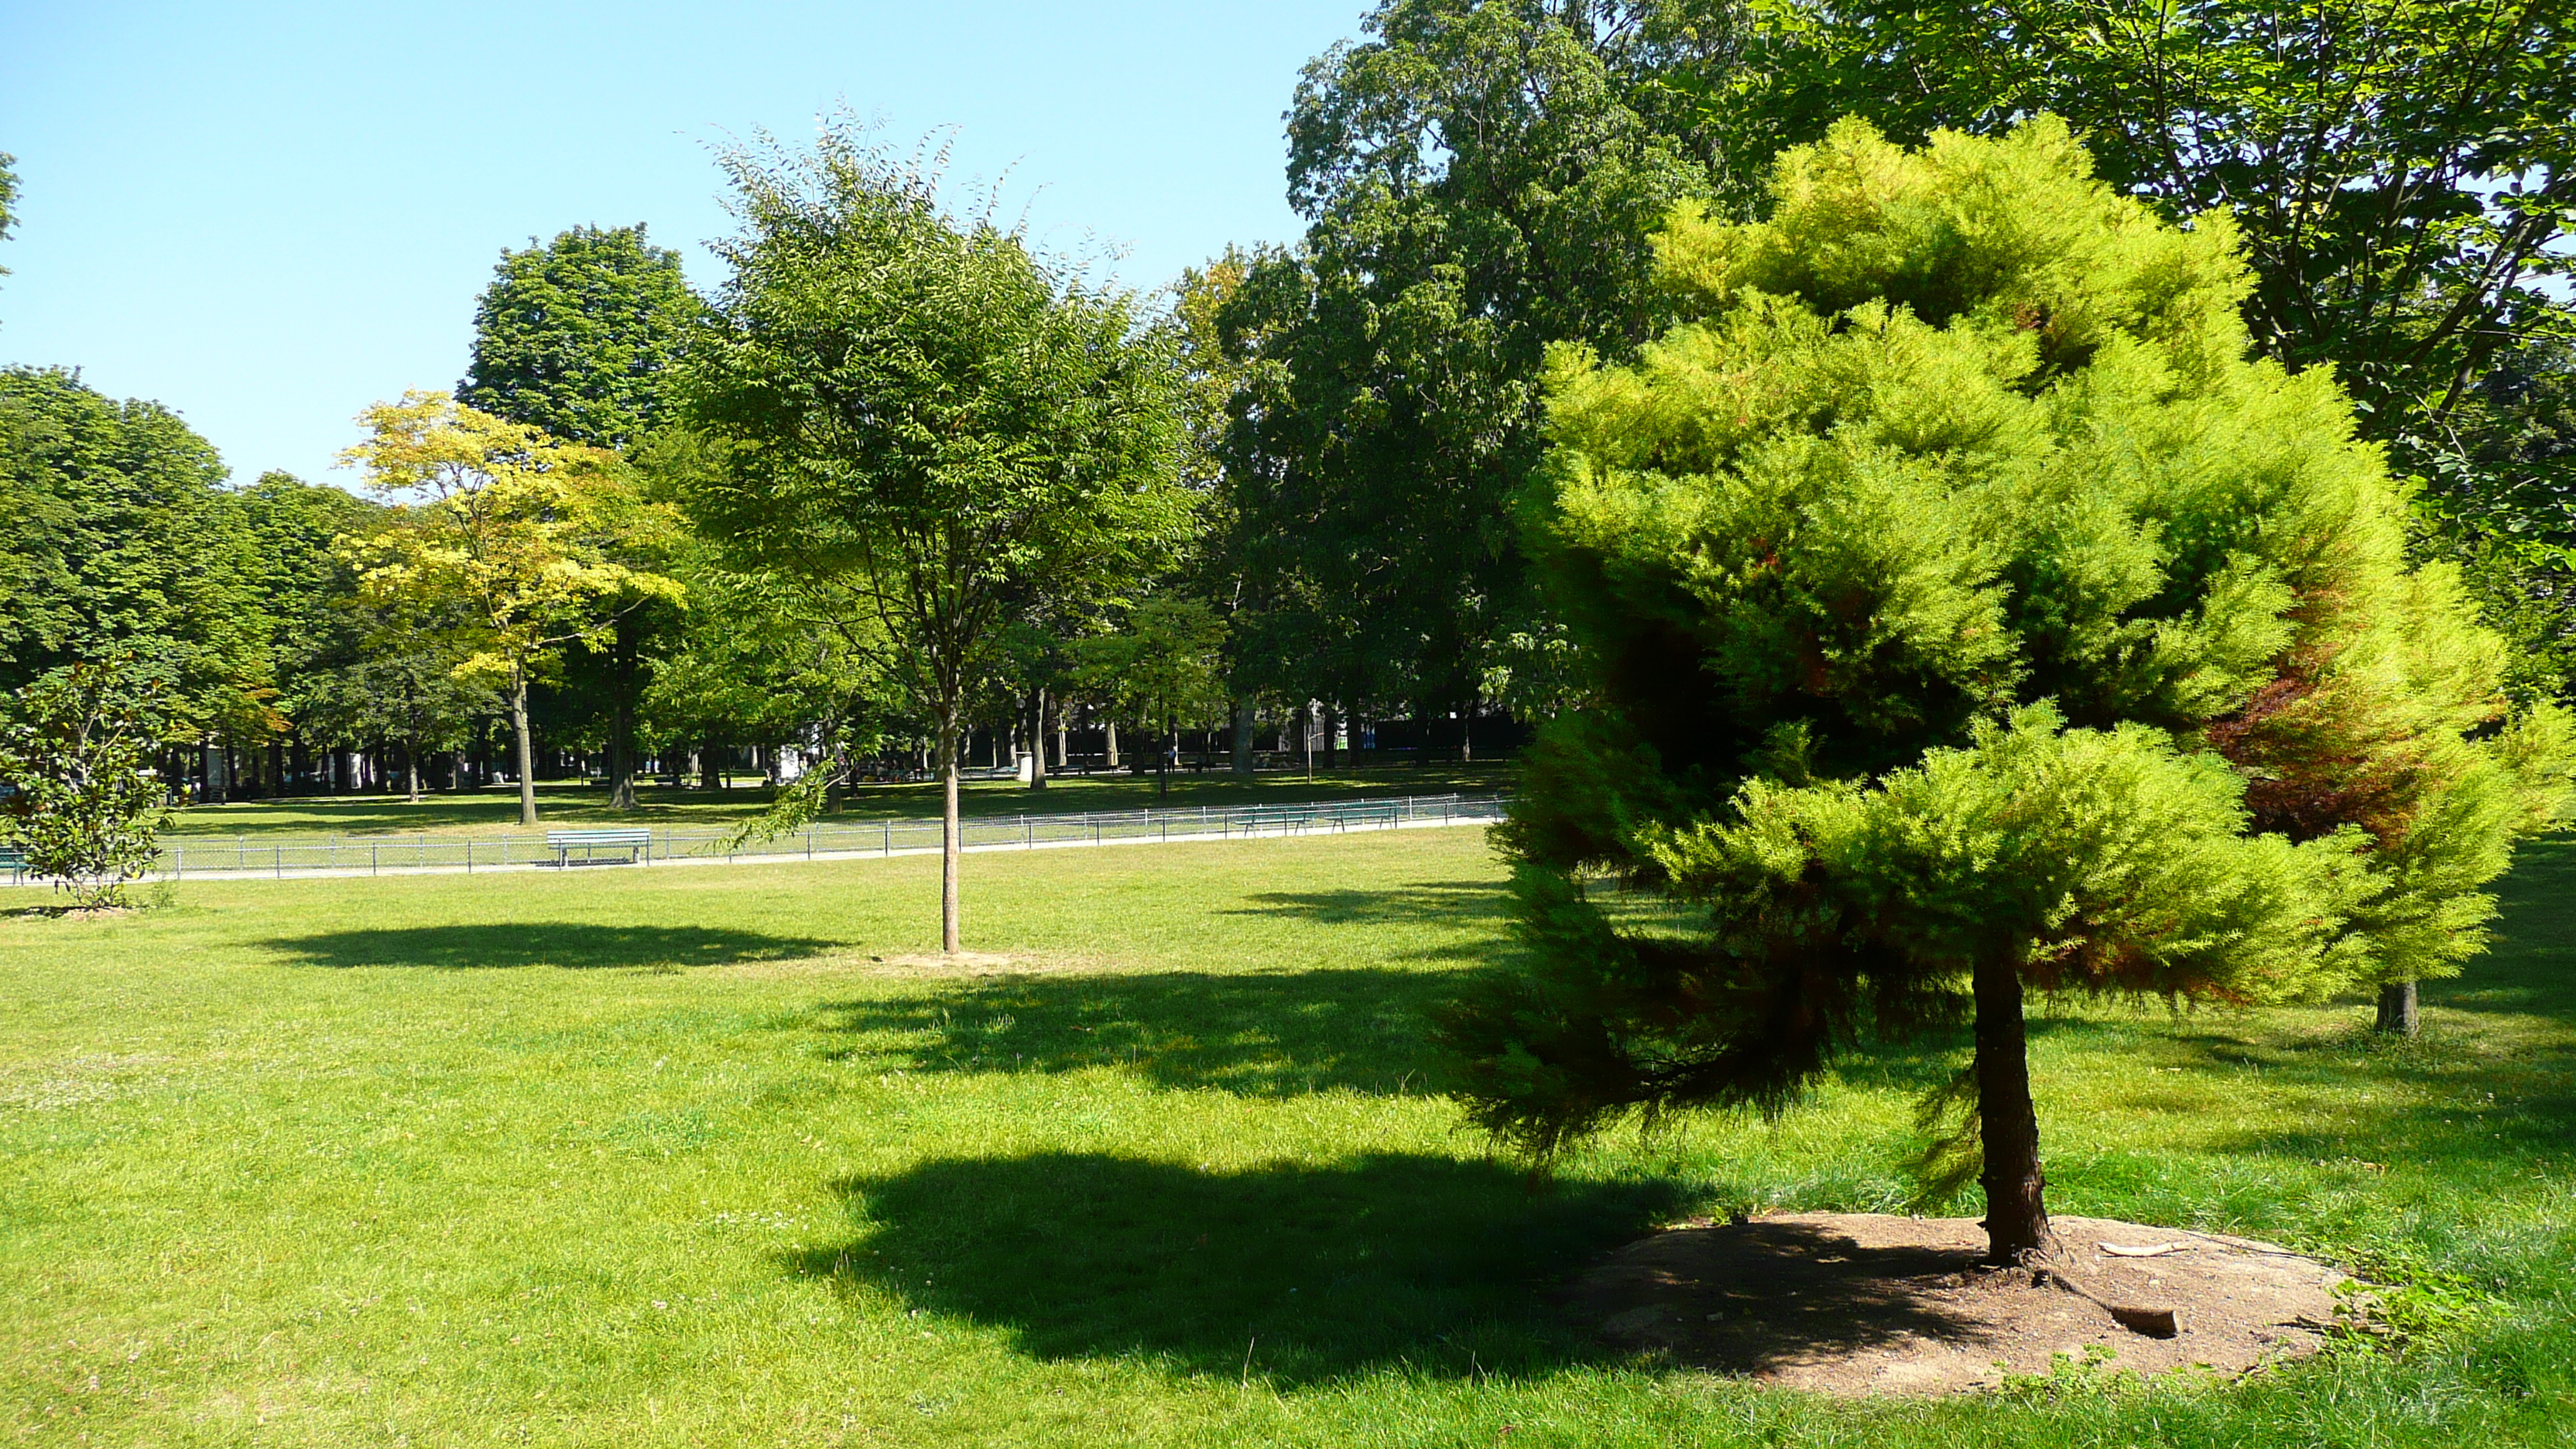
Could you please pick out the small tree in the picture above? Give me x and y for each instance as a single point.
(925, 421)
(86, 811)
(513, 541)
(1963, 615)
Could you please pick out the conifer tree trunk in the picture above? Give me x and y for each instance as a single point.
(526, 757)
(2398, 1007)
(2016, 1190)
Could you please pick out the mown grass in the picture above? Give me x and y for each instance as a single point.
(646, 1158)
(495, 811)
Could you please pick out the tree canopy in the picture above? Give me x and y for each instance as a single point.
(579, 336)
(923, 422)
(1961, 611)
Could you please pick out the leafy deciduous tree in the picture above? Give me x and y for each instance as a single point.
(579, 336)
(923, 419)
(510, 543)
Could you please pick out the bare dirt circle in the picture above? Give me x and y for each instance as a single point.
(1867, 1303)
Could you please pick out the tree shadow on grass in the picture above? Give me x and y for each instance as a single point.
(1257, 1034)
(575, 946)
(1464, 904)
(1294, 1273)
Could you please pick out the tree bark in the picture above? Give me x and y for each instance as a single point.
(1242, 742)
(2008, 1125)
(711, 769)
(519, 739)
(948, 833)
(1037, 739)
(2398, 1009)
(1109, 733)
(411, 767)
(621, 722)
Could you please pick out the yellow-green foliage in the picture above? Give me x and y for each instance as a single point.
(1960, 434)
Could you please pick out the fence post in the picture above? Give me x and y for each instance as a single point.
(888, 824)
(371, 857)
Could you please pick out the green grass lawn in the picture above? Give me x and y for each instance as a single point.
(637, 1158)
(496, 811)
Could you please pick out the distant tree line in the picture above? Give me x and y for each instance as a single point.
(1272, 506)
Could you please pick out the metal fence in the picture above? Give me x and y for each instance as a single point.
(382, 854)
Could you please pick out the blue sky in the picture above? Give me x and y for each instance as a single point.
(268, 217)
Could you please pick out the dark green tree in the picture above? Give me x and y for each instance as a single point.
(1963, 616)
(578, 336)
(123, 542)
(1479, 179)
(922, 422)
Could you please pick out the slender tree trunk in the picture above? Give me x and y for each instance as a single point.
(1063, 739)
(948, 832)
(527, 759)
(1109, 736)
(1038, 739)
(2016, 1190)
(621, 720)
(2398, 1006)
(1242, 741)
(411, 767)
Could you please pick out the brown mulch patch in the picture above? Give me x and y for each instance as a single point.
(1866, 1303)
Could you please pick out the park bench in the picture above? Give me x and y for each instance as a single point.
(590, 842)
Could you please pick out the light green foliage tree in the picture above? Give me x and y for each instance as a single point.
(923, 422)
(512, 538)
(747, 666)
(2398, 174)
(1964, 616)
(1165, 666)
(579, 336)
(86, 811)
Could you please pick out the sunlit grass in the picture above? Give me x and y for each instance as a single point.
(650, 1158)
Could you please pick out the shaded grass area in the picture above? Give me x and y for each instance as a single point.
(715, 1157)
(495, 811)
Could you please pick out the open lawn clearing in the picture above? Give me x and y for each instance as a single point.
(637, 1158)
(566, 804)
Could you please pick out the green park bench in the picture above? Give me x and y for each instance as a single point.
(590, 842)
